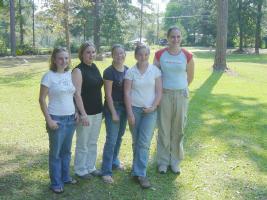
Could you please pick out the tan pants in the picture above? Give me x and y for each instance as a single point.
(86, 145)
(172, 115)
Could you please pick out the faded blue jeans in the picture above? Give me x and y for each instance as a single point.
(60, 141)
(114, 133)
(142, 133)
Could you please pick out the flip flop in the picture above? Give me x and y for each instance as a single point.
(57, 190)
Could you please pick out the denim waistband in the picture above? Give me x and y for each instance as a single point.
(62, 117)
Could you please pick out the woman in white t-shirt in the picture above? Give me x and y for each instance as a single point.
(142, 90)
(59, 116)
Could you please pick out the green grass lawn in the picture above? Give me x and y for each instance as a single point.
(225, 144)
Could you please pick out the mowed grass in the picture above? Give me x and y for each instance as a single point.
(225, 143)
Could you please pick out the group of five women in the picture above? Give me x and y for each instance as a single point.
(145, 95)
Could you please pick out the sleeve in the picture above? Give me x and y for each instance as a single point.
(188, 55)
(129, 75)
(46, 80)
(107, 75)
(157, 72)
(159, 53)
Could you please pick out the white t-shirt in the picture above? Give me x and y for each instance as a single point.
(60, 93)
(143, 85)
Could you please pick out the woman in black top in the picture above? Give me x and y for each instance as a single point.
(88, 83)
(115, 112)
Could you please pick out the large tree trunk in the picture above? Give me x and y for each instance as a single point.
(97, 24)
(12, 28)
(66, 24)
(258, 26)
(221, 39)
(21, 24)
(240, 25)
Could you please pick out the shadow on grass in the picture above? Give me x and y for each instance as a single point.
(261, 59)
(239, 122)
(17, 79)
(22, 61)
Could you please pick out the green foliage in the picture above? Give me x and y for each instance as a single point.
(3, 48)
(26, 49)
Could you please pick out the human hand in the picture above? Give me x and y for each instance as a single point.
(115, 118)
(131, 120)
(84, 120)
(149, 110)
(52, 124)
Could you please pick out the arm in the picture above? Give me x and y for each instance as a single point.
(190, 71)
(77, 82)
(42, 96)
(108, 95)
(158, 95)
(156, 62)
(128, 101)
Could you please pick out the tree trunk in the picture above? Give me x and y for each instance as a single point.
(258, 27)
(221, 39)
(97, 24)
(12, 28)
(240, 24)
(33, 24)
(21, 24)
(141, 21)
(66, 24)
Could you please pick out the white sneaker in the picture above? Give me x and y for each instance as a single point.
(162, 169)
(176, 169)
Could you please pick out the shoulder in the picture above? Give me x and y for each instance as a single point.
(130, 72)
(108, 73)
(187, 54)
(155, 69)
(108, 69)
(159, 53)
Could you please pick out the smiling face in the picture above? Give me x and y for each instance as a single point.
(174, 38)
(118, 55)
(89, 55)
(142, 55)
(61, 61)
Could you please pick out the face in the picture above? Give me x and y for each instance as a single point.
(62, 60)
(142, 55)
(175, 38)
(118, 56)
(89, 55)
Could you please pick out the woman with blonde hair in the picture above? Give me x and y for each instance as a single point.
(88, 83)
(59, 116)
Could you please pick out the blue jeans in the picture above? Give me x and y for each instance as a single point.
(114, 132)
(142, 133)
(60, 141)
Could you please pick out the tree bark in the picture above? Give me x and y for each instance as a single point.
(66, 24)
(221, 39)
(33, 24)
(12, 28)
(240, 25)
(21, 31)
(97, 24)
(258, 27)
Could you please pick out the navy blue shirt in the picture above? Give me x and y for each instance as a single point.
(117, 77)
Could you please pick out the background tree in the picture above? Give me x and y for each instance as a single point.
(221, 38)
(12, 28)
